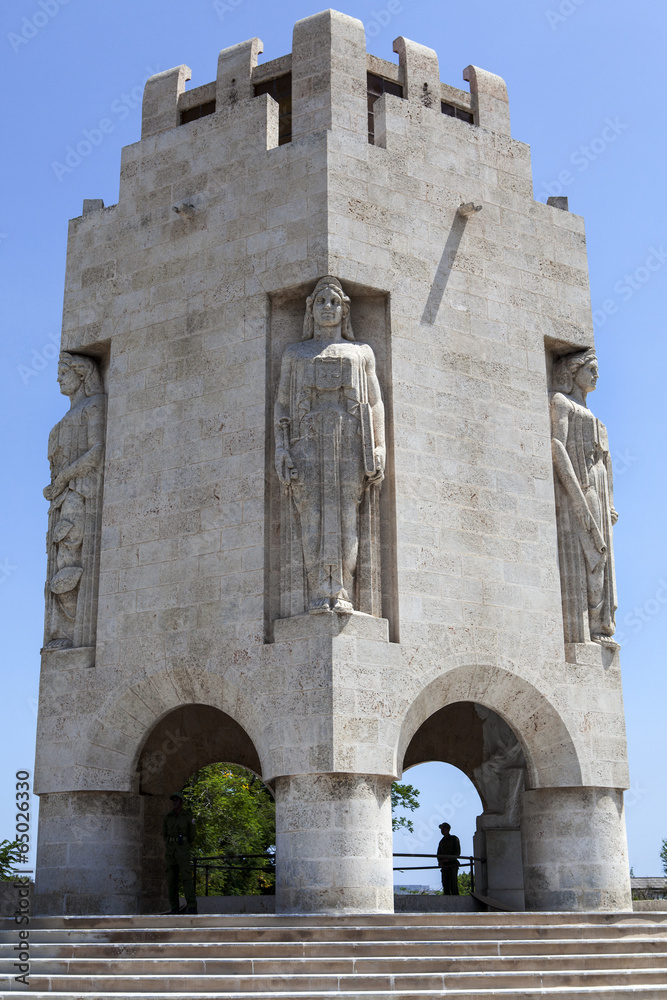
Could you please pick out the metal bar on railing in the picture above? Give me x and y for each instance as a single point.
(463, 860)
(199, 863)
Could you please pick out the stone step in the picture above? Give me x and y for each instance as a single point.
(126, 967)
(334, 949)
(322, 934)
(573, 993)
(374, 958)
(399, 920)
(313, 984)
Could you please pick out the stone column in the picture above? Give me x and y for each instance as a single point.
(575, 851)
(334, 843)
(89, 853)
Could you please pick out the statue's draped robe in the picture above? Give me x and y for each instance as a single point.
(74, 523)
(331, 500)
(500, 778)
(588, 584)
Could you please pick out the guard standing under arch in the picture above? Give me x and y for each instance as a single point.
(178, 830)
(448, 852)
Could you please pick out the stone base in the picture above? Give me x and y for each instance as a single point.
(575, 850)
(503, 872)
(66, 659)
(591, 654)
(403, 903)
(89, 854)
(15, 897)
(406, 903)
(353, 624)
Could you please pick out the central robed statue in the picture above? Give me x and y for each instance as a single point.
(330, 454)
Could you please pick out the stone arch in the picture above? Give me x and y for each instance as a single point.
(181, 742)
(187, 739)
(147, 739)
(118, 733)
(553, 753)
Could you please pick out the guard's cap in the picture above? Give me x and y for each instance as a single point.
(176, 795)
(442, 825)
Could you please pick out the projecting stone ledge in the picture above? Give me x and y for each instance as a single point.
(353, 624)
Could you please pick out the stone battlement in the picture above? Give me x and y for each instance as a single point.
(324, 91)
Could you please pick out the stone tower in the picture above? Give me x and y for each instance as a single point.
(308, 506)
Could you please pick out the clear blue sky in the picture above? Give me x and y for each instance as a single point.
(587, 87)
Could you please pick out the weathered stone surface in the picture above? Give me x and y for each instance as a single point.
(575, 849)
(333, 835)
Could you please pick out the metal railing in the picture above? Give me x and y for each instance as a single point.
(463, 860)
(210, 864)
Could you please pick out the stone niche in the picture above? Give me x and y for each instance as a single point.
(371, 322)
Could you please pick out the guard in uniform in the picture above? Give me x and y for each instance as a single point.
(449, 866)
(178, 830)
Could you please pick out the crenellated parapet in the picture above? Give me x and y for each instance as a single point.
(329, 86)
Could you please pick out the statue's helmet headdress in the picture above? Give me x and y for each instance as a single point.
(327, 281)
(86, 369)
(565, 369)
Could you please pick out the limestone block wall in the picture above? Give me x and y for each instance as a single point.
(176, 289)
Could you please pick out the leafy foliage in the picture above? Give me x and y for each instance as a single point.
(235, 815)
(663, 855)
(464, 883)
(10, 858)
(403, 797)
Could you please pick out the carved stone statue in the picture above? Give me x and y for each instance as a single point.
(584, 503)
(76, 457)
(330, 459)
(501, 776)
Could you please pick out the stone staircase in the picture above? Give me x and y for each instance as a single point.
(402, 956)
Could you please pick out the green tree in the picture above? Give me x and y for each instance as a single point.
(403, 797)
(10, 859)
(663, 855)
(235, 815)
(465, 883)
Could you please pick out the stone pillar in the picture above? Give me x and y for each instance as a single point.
(575, 852)
(334, 843)
(329, 75)
(89, 853)
(501, 877)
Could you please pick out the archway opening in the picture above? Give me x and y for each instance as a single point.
(478, 742)
(235, 819)
(185, 741)
(446, 795)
